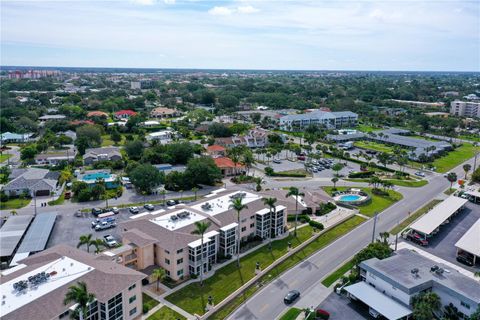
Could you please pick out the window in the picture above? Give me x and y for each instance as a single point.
(167, 261)
(133, 286)
(63, 315)
(167, 252)
(252, 225)
(167, 272)
(180, 273)
(180, 261)
(133, 311)
(252, 217)
(464, 304)
(243, 220)
(132, 298)
(179, 251)
(244, 228)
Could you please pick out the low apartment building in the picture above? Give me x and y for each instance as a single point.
(389, 285)
(164, 237)
(255, 138)
(465, 109)
(330, 120)
(36, 288)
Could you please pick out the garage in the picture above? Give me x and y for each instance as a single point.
(40, 193)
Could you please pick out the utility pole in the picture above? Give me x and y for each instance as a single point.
(475, 162)
(396, 241)
(374, 226)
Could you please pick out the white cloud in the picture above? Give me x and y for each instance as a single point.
(247, 9)
(169, 1)
(144, 2)
(220, 11)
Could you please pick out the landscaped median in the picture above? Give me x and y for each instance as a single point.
(378, 203)
(402, 183)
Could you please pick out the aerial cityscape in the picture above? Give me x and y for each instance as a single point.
(240, 160)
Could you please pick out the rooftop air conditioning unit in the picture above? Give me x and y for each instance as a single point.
(434, 268)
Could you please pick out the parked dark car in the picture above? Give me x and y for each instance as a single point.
(171, 202)
(149, 207)
(465, 260)
(415, 238)
(322, 314)
(291, 296)
(96, 211)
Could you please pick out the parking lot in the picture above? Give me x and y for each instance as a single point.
(340, 307)
(442, 244)
(68, 228)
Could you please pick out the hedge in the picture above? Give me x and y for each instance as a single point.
(361, 174)
(316, 224)
(361, 162)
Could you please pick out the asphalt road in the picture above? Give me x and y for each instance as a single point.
(306, 277)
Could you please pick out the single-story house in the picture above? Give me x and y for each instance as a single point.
(54, 157)
(227, 166)
(49, 117)
(99, 114)
(9, 137)
(150, 123)
(162, 112)
(216, 151)
(163, 136)
(32, 180)
(93, 155)
(125, 114)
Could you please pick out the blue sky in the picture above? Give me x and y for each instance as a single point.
(240, 34)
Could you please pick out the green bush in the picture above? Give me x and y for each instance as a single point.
(325, 208)
(380, 192)
(303, 218)
(361, 174)
(145, 308)
(269, 171)
(316, 224)
(3, 197)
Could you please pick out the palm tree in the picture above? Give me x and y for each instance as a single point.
(237, 205)
(200, 229)
(79, 295)
(452, 177)
(163, 193)
(384, 237)
(293, 191)
(258, 183)
(85, 239)
(270, 202)
(99, 244)
(466, 168)
(195, 190)
(425, 305)
(334, 181)
(159, 274)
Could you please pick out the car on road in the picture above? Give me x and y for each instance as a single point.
(105, 225)
(115, 210)
(446, 174)
(277, 161)
(420, 174)
(134, 210)
(149, 207)
(110, 241)
(291, 296)
(301, 158)
(96, 211)
(171, 202)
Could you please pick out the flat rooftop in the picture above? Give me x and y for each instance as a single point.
(12, 232)
(178, 219)
(441, 212)
(62, 271)
(397, 270)
(222, 204)
(470, 241)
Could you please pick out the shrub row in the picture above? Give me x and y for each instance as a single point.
(361, 174)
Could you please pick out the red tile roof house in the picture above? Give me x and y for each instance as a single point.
(125, 114)
(100, 114)
(227, 166)
(216, 150)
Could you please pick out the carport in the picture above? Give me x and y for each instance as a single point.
(429, 222)
(470, 241)
(376, 300)
(474, 196)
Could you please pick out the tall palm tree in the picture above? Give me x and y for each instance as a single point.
(98, 244)
(200, 229)
(159, 274)
(163, 193)
(85, 239)
(270, 202)
(466, 168)
(79, 295)
(334, 181)
(293, 191)
(195, 190)
(237, 205)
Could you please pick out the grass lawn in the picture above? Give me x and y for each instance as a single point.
(455, 157)
(367, 128)
(380, 147)
(401, 183)
(337, 274)
(291, 314)
(4, 157)
(377, 204)
(107, 141)
(59, 201)
(149, 301)
(414, 216)
(14, 204)
(165, 313)
(449, 191)
(320, 243)
(472, 137)
(192, 298)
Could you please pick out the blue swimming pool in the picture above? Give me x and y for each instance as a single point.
(97, 175)
(350, 198)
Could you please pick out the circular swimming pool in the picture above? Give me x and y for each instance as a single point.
(351, 197)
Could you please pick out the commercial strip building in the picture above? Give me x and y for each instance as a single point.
(465, 109)
(330, 120)
(164, 237)
(470, 242)
(430, 223)
(36, 288)
(389, 285)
